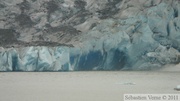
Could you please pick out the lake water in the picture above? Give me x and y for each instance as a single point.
(84, 86)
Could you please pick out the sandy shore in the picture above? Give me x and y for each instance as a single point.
(84, 86)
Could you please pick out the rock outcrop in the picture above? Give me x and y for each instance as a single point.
(62, 35)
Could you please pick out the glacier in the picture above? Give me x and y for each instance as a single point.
(144, 41)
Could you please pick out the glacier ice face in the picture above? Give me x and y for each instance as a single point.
(5, 61)
(104, 58)
(43, 59)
